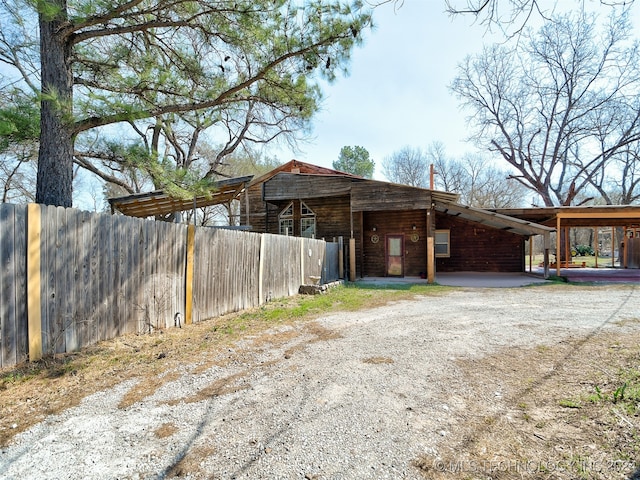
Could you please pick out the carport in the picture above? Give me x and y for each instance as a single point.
(626, 217)
(498, 220)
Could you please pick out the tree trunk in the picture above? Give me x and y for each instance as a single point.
(55, 157)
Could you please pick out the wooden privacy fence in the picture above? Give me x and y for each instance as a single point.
(70, 278)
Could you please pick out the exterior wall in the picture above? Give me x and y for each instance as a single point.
(395, 223)
(257, 212)
(333, 219)
(478, 248)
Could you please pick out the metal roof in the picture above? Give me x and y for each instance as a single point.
(492, 219)
(159, 203)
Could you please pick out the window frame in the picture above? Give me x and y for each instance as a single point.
(286, 217)
(436, 243)
(306, 214)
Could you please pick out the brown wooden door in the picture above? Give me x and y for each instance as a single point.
(395, 255)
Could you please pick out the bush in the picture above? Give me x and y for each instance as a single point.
(582, 250)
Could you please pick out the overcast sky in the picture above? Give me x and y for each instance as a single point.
(397, 91)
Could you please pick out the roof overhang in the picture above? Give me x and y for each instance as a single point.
(583, 216)
(159, 203)
(493, 219)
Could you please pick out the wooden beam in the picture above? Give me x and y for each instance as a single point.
(431, 254)
(613, 246)
(547, 246)
(603, 215)
(341, 256)
(597, 244)
(625, 248)
(352, 259)
(34, 303)
(188, 308)
(558, 246)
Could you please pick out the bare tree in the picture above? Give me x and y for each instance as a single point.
(450, 174)
(558, 107)
(407, 166)
(512, 16)
(478, 182)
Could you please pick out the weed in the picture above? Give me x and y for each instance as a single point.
(569, 403)
(618, 395)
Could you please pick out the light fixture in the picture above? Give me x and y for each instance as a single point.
(414, 226)
(374, 228)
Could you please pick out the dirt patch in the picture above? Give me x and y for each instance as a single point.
(378, 360)
(550, 411)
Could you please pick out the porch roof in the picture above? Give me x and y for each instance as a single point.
(159, 203)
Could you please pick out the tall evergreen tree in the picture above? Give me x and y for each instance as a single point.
(246, 64)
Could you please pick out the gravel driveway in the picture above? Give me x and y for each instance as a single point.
(359, 396)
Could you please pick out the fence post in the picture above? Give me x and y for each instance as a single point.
(34, 304)
(340, 257)
(188, 295)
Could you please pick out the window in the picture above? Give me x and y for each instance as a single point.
(442, 243)
(307, 222)
(286, 220)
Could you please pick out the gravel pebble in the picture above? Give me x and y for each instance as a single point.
(362, 405)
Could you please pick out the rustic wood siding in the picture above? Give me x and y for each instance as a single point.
(286, 186)
(257, 209)
(396, 223)
(380, 196)
(479, 248)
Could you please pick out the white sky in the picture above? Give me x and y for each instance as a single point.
(397, 91)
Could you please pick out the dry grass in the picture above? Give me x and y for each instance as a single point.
(31, 391)
(548, 412)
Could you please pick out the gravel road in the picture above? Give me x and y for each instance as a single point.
(360, 396)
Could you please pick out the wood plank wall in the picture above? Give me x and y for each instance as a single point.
(333, 219)
(102, 276)
(479, 248)
(395, 223)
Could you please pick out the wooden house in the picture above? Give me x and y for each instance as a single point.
(392, 230)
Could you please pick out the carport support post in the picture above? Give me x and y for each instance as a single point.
(547, 246)
(431, 257)
(558, 240)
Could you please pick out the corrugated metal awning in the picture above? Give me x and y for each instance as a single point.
(159, 203)
(493, 219)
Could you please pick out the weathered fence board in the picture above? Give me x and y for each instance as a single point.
(330, 270)
(102, 276)
(13, 331)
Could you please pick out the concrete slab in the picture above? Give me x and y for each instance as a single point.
(465, 279)
(488, 279)
(598, 275)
